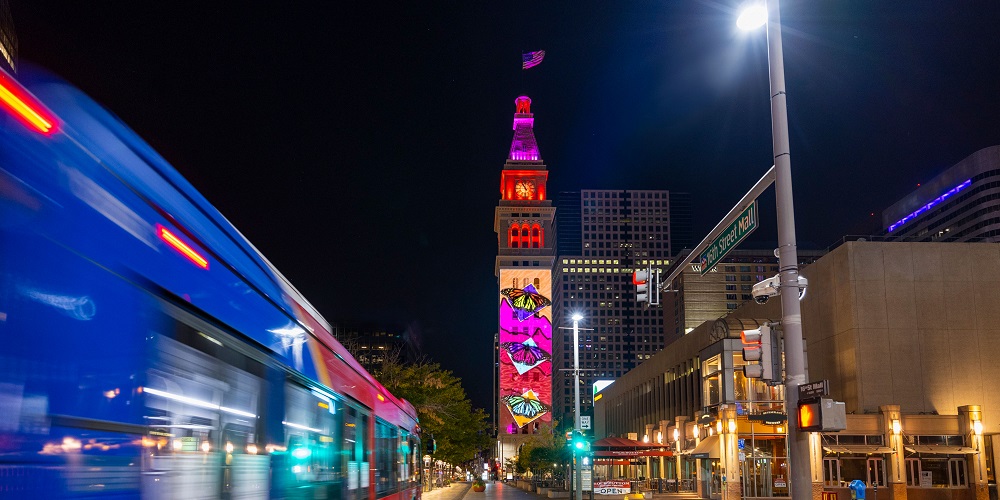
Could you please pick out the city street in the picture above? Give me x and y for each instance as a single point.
(505, 491)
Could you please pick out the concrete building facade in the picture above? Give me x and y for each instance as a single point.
(906, 334)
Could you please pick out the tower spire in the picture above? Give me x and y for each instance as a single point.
(524, 147)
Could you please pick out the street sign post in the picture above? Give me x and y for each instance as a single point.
(814, 389)
(730, 238)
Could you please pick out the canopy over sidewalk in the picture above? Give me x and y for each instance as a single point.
(622, 447)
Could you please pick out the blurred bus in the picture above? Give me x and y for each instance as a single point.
(147, 349)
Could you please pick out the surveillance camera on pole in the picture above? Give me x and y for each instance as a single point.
(770, 287)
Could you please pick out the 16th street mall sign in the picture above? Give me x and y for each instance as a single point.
(732, 236)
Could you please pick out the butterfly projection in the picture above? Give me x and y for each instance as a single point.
(526, 301)
(526, 353)
(525, 407)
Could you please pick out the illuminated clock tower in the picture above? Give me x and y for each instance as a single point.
(525, 256)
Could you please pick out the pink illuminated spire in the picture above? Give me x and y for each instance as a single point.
(523, 147)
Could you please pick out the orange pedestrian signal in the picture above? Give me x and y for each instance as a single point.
(810, 417)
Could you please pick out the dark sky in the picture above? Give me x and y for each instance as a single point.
(359, 145)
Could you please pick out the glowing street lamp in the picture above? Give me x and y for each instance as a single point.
(752, 17)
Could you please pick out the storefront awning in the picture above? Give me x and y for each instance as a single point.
(856, 448)
(624, 448)
(941, 449)
(707, 448)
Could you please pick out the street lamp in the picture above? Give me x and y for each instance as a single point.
(576, 402)
(791, 320)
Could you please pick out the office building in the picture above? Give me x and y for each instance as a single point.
(962, 204)
(8, 39)
(603, 236)
(371, 345)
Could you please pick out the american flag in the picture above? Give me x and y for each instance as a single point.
(532, 59)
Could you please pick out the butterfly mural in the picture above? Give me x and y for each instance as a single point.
(525, 407)
(525, 355)
(526, 301)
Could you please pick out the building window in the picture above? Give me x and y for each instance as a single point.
(712, 380)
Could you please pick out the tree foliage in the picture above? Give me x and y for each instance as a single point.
(543, 451)
(442, 406)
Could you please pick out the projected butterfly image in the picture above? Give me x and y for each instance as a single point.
(525, 355)
(525, 408)
(526, 301)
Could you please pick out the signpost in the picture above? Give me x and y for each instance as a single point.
(814, 390)
(730, 238)
(612, 487)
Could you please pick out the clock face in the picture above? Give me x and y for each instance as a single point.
(524, 189)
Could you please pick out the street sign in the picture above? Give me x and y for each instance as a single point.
(769, 417)
(814, 389)
(585, 421)
(744, 224)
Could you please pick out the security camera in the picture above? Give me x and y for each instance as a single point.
(770, 287)
(766, 289)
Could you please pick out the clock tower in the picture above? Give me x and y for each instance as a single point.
(525, 256)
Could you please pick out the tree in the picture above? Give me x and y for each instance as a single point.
(442, 407)
(542, 450)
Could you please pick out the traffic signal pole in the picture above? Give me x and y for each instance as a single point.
(788, 262)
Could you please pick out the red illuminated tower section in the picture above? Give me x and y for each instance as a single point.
(525, 256)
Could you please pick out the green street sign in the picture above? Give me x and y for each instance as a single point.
(730, 238)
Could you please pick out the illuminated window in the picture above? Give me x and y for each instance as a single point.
(536, 236)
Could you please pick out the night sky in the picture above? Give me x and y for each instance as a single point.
(359, 145)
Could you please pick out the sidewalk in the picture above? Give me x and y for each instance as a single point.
(507, 491)
(454, 491)
(494, 491)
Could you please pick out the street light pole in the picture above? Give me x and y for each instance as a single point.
(577, 470)
(788, 261)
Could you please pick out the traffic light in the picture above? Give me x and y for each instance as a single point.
(647, 285)
(431, 446)
(821, 414)
(641, 280)
(757, 347)
(810, 416)
(580, 443)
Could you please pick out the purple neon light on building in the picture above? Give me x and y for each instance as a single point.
(930, 205)
(524, 147)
